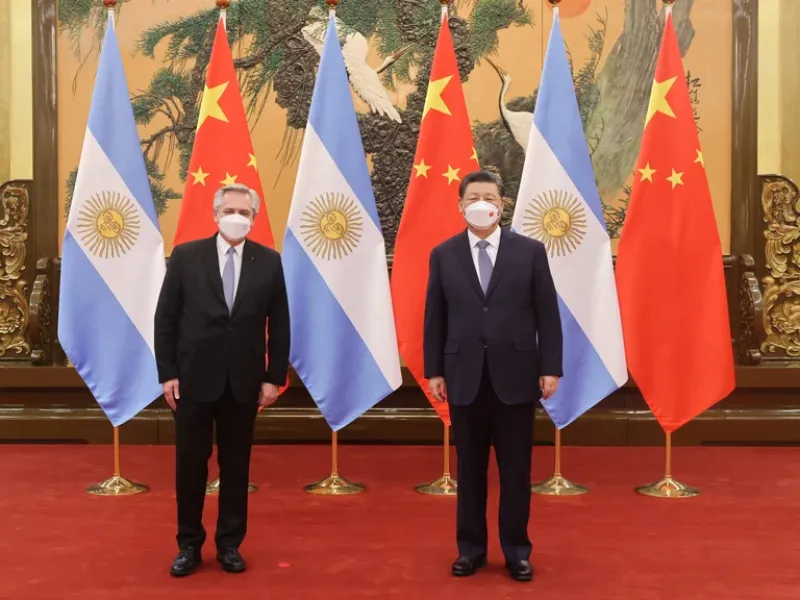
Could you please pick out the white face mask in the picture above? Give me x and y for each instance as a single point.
(482, 214)
(235, 227)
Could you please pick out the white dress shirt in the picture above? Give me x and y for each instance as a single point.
(222, 252)
(491, 249)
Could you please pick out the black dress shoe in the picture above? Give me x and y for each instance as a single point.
(186, 562)
(465, 566)
(231, 560)
(520, 570)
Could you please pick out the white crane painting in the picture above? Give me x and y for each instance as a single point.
(365, 80)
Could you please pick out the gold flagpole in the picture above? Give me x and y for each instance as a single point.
(116, 485)
(445, 485)
(334, 484)
(558, 485)
(668, 487)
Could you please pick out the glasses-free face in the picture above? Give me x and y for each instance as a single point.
(481, 190)
(236, 203)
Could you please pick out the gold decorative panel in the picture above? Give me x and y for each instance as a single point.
(14, 309)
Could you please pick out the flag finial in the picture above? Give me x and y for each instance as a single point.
(109, 4)
(223, 4)
(332, 4)
(554, 3)
(668, 2)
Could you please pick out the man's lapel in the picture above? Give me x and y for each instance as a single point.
(503, 256)
(245, 276)
(211, 260)
(464, 252)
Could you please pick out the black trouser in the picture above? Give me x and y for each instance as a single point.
(194, 425)
(477, 426)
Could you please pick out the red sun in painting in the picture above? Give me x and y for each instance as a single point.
(571, 8)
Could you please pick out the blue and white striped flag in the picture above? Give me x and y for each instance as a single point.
(344, 345)
(558, 204)
(113, 254)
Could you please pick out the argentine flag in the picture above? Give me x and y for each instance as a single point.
(112, 261)
(344, 345)
(558, 204)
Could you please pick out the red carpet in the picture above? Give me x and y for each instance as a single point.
(739, 540)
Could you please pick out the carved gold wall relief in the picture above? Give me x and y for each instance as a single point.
(781, 206)
(14, 207)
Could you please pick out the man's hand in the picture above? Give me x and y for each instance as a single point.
(268, 395)
(548, 384)
(171, 393)
(438, 389)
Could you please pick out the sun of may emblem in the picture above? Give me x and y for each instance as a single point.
(557, 219)
(332, 225)
(108, 224)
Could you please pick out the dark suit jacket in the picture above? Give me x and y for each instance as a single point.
(196, 339)
(464, 327)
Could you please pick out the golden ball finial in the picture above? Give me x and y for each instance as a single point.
(331, 3)
(223, 4)
(109, 3)
(444, 2)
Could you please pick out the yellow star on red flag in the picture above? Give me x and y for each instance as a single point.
(452, 175)
(422, 169)
(658, 99)
(700, 159)
(433, 97)
(647, 173)
(675, 178)
(199, 176)
(209, 106)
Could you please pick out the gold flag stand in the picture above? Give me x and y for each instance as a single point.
(116, 485)
(668, 487)
(445, 485)
(557, 485)
(334, 484)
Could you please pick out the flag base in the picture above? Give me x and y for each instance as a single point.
(334, 485)
(444, 486)
(116, 485)
(212, 488)
(668, 488)
(559, 486)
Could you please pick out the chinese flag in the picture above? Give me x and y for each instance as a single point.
(222, 152)
(669, 263)
(445, 153)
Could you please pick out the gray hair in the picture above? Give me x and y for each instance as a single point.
(236, 187)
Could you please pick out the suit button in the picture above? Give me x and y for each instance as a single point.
(485, 309)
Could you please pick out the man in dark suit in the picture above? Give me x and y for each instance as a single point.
(218, 298)
(492, 348)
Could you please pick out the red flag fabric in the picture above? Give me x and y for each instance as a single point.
(445, 153)
(669, 261)
(222, 152)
